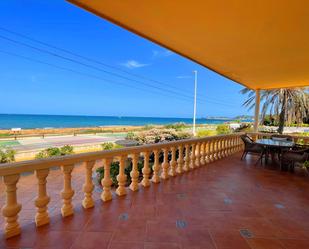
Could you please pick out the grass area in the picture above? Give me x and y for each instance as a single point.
(122, 134)
(5, 135)
(8, 143)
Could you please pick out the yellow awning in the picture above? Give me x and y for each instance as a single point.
(261, 44)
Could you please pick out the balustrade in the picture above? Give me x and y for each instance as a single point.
(42, 217)
(67, 192)
(165, 165)
(121, 178)
(178, 157)
(88, 187)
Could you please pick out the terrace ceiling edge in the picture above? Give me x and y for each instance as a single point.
(259, 44)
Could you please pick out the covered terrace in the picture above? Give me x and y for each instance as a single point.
(203, 197)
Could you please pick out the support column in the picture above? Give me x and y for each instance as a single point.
(257, 110)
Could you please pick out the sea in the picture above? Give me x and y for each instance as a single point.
(30, 121)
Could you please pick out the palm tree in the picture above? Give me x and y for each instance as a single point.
(290, 104)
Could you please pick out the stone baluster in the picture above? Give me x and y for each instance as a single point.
(88, 186)
(106, 181)
(228, 140)
(173, 162)
(186, 168)
(192, 158)
(235, 144)
(207, 152)
(121, 177)
(165, 165)
(156, 167)
(224, 147)
(11, 209)
(41, 202)
(198, 155)
(230, 146)
(217, 149)
(180, 160)
(212, 150)
(146, 170)
(134, 173)
(202, 159)
(67, 192)
(220, 148)
(238, 144)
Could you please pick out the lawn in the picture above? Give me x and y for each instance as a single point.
(8, 143)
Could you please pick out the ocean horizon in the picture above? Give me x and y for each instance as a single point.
(32, 121)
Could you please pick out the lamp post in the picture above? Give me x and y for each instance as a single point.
(194, 107)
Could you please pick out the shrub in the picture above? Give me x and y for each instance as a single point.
(244, 127)
(149, 127)
(159, 135)
(176, 126)
(55, 151)
(110, 146)
(7, 155)
(130, 135)
(223, 129)
(66, 150)
(205, 133)
(114, 171)
(270, 121)
(306, 165)
(107, 146)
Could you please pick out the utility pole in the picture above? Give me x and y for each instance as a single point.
(194, 108)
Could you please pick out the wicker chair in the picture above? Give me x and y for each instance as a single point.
(252, 148)
(298, 154)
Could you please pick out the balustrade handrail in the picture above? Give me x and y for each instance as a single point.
(31, 165)
(178, 157)
(295, 137)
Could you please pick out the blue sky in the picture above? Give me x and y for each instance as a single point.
(67, 87)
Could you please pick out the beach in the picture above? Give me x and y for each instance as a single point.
(27, 135)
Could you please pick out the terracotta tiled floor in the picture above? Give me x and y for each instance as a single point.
(228, 204)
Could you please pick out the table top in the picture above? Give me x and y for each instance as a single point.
(275, 143)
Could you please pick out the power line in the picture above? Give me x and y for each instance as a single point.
(84, 74)
(89, 66)
(109, 66)
(92, 67)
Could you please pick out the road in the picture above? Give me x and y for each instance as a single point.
(34, 143)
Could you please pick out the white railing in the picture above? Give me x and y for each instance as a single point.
(186, 155)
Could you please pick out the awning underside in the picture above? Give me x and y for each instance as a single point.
(260, 44)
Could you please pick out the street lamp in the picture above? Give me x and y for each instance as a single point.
(194, 108)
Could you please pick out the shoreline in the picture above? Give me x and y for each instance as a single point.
(85, 130)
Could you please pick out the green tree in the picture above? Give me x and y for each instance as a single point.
(285, 105)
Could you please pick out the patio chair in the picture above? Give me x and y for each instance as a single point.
(276, 151)
(252, 148)
(299, 154)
